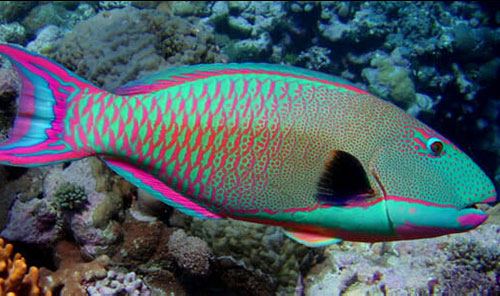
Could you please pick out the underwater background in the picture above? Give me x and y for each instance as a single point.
(93, 233)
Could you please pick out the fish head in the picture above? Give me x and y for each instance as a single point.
(429, 185)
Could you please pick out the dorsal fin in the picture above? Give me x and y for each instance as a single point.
(344, 179)
(180, 75)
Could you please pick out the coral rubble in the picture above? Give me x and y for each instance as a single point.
(456, 264)
(72, 271)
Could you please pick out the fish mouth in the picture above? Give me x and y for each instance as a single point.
(471, 216)
(472, 206)
(477, 205)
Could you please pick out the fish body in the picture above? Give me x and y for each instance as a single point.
(262, 143)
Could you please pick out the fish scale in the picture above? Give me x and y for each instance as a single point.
(261, 143)
(229, 128)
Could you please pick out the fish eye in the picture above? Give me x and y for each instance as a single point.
(435, 146)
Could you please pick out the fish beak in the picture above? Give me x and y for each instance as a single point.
(471, 217)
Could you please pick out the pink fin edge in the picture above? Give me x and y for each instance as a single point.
(158, 189)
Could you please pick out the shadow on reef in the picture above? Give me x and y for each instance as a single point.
(228, 279)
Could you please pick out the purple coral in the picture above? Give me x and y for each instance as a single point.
(117, 283)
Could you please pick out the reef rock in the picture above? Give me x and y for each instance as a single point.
(120, 45)
(458, 264)
(90, 219)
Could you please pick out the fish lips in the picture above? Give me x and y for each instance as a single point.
(470, 217)
(413, 220)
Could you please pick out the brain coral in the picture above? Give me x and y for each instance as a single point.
(121, 45)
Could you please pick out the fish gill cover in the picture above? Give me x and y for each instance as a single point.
(437, 60)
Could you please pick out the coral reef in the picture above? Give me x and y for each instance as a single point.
(13, 32)
(72, 271)
(45, 40)
(128, 43)
(117, 283)
(44, 220)
(15, 279)
(33, 222)
(11, 11)
(257, 248)
(454, 264)
(114, 4)
(184, 8)
(70, 197)
(315, 58)
(390, 79)
(251, 24)
(174, 262)
(74, 276)
(190, 253)
(58, 14)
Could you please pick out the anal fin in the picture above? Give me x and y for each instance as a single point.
(311, 239)
(158, 189)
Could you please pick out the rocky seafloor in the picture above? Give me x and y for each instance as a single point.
(93, 233)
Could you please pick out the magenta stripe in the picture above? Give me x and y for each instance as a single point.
(30, 160)
(106, 125)
(244, 91)
(82, 136)
(26, 110)
(419, 201)
(116, 113)
(490, 199)
(162, 189)
(217, 90)
(194, 75)
(231, 92)
(427, 134)
(98, 139)
(472, 219)
(420, 143)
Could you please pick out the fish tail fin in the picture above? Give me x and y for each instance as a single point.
(38, 136)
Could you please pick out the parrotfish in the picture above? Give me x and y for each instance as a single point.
(263, 143)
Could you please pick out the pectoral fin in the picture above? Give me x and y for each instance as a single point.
(344, 180)
(311, 239)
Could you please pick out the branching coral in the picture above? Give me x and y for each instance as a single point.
(14, 276)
